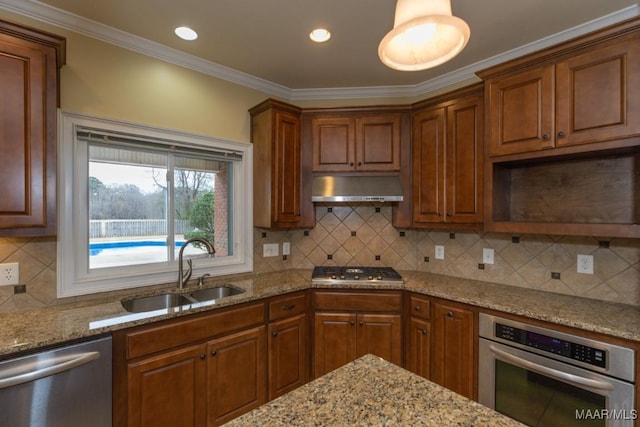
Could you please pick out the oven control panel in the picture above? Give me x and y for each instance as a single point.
(583, 353)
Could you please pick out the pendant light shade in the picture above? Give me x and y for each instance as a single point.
(424, 35)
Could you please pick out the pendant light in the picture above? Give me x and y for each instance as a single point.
(424, 35)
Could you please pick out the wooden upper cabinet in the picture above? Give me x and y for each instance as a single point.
(29, 62)
(275, 133)
(448, 161)
(356, 143)
(586, 97)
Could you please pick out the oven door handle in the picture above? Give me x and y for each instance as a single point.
(563, 376)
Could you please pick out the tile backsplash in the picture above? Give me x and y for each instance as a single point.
(363, 235)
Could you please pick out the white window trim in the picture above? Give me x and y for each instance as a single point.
(74, 279)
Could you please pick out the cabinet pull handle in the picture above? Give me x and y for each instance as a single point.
(450, 314)
(214, 352)
(288, 307)
(561, 134)
(274, 333)
(545, 136)
(203, 356)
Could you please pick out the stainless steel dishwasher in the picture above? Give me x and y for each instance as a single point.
(62, 387)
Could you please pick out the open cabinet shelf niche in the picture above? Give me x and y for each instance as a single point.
(595, 193)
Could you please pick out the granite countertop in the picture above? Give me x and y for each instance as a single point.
(32, 329)
(372, 392)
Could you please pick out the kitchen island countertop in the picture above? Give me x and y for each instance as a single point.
(372, 392)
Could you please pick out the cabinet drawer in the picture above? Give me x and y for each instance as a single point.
(378, 301)
(181, 332)
(419, 307)
(287, 305)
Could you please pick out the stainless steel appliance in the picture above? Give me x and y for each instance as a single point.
(63, 387)
(336, 275)
(543, 377)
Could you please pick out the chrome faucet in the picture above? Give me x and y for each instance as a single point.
(183, 278)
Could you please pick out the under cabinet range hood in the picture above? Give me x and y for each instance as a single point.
(356, 189)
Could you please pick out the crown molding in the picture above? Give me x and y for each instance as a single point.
(59, 18)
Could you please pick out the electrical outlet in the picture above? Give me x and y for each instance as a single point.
(487, 256)
(286, 248)
(9, 273)
(439, 252)
(585, 264)
(270, 249)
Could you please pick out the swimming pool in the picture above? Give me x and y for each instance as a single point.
(97, 248)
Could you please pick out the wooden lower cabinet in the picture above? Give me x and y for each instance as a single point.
(453, 348)
(288, 355)
(236, 375)
(167, 389)
(418, 347)
(340, 338)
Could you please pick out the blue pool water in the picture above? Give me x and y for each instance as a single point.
(97, 248)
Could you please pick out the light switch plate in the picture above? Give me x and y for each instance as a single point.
(487, 256)
(585, 264)
(270, 249)
(286, 248)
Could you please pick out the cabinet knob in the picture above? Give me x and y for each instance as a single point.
(274, 333)
(448, 213)
(359, 163)
(450, 314)
(361, 323)
(424, 331)
(418, 308)
(203, 356)
(351, 164)
(352, 323)
(561, 134)
(545, 137)
(214, 352)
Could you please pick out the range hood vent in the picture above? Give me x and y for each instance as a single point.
(356, 189)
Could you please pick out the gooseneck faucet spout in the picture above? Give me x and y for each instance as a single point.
(183, 277)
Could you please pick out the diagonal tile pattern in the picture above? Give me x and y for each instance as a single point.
(362, 234)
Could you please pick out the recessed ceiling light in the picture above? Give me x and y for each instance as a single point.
(186, 33)
(320, 35)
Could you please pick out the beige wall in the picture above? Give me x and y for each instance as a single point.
(104, 80)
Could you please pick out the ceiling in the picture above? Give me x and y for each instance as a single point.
(268, 39)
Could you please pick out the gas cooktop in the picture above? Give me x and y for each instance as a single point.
(336, 275)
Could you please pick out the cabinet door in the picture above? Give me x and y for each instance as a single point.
(428, 166)
(168, 389)
(380, 334)
(521, 112)
(27, 137)
(288, 362)
(418, 349)
(236, 376)
(464, 161)
(286, 168)
(453, 350)
(595, 95)
(378, 143)
(333, 144)
(334, 341)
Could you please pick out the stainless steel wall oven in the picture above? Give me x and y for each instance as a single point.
(543, 377)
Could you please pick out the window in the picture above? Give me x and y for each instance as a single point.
(130, 196)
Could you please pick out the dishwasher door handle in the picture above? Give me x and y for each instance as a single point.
(32, 371)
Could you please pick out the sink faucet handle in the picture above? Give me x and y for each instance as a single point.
(201, 279)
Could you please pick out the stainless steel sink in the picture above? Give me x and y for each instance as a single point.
(215, 293)
(155, 302)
